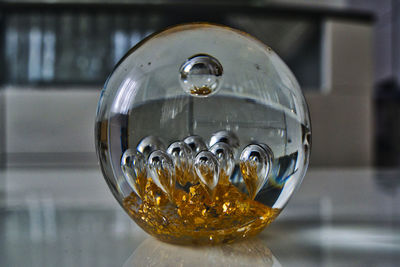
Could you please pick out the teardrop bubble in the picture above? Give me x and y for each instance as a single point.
(227, 137)
(133, 167)
(268, 150)
(224, 154)
(201, 75)
(206, 167)
(149, 144)
(255, 163)
(161, 169)
(196, 143)
(283, 169)
(182, 157)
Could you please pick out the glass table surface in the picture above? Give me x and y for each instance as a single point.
(68, 217)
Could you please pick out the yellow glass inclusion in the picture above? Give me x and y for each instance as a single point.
(202, 91)
(194, 217)
(183, 174)
(140, 184)
(250, 177)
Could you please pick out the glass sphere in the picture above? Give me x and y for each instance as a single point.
(203, 134)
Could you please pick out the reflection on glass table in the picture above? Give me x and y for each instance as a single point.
(252, 252)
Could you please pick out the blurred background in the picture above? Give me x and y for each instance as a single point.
(55, 56)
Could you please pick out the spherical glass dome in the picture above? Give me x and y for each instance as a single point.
(203, 134)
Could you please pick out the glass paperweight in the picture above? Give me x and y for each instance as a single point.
(203, 134)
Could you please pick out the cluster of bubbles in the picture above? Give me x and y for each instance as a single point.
(192, 161)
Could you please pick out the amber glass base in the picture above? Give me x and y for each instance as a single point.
(195, 217)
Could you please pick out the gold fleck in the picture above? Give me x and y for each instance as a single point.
(198, 220)
(200, 90)
(192, 191)
(225, 207)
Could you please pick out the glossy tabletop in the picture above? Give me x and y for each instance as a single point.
(67, 217)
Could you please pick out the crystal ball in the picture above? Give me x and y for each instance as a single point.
(202, 134)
